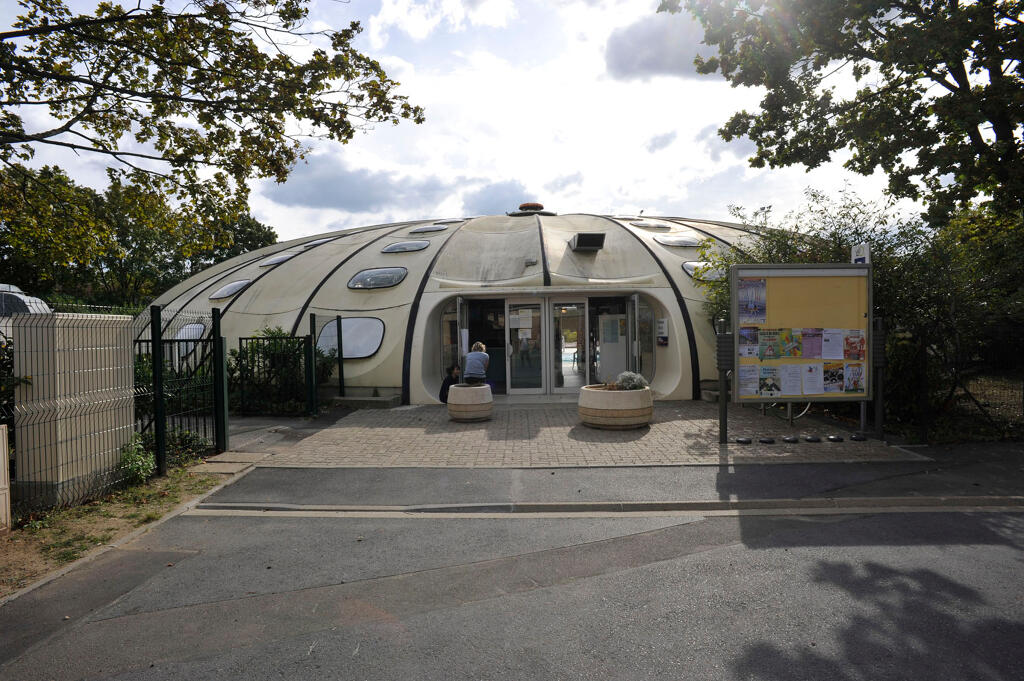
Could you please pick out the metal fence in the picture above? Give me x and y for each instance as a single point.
(273, 375)
(75, 388)
(70, 407)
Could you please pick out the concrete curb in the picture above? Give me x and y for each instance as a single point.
(642, 506)
(128, 538)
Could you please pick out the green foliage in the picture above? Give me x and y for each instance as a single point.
(122, 247)
(8, 383)
(137, 462)
(268, 376)
(937, 102)
(628, 380)
(183, 447)
(211, 84)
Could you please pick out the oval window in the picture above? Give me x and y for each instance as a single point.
(649, 225)
(379, 277)
(692, 267)
(428, 228)
(449, 221)
(277, 259)
(317, 242)
(231, 289)
(678, 240)
(405, 246)
(189, 332)
(361, 337)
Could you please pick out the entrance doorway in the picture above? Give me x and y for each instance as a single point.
(525, 348)
(569, 351)
(485, 322)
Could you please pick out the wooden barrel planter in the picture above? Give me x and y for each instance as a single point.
(470, 402)
(603, 406)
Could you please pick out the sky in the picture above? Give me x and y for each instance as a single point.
(583, 105)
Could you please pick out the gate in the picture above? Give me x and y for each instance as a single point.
(180, 392)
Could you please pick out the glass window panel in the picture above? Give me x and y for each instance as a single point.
(428, 228)
(449, 221)
(679, 240)
(691, 268)
(231, 289)
(405, 246)
(277, 259)
(645, 322)
(361, 336)
(649, 225)
(379, 277)
(317, 242)
(449, 336)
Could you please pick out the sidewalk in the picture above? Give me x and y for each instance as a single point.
(550, 435)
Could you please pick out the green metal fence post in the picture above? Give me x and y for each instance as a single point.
(311, 366)
(159, 407)
(341, 360)
(220, 386)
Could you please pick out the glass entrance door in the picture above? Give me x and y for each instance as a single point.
(569, 346)
(525, 349)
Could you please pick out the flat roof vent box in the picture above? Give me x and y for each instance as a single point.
(587, 242)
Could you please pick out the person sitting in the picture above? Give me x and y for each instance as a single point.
(476, 364)
(451, 378)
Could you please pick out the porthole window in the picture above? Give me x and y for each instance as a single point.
(229, 290)
(405, 246)
(379, 277)
(189, 332)
(361, 337)
(317, 242)
(649, 225)
(691, 268)
(678, 240)
(449, 221)
(428, 228)
(277, 259)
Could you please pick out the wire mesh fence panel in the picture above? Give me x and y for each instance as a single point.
(267, 375)
(990, 402)
(72, 405)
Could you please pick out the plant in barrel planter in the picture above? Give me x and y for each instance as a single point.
(623, 405)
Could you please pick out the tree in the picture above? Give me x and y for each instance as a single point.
(938, 102)
(167, 94)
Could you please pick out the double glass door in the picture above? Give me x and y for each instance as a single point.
(525, 347)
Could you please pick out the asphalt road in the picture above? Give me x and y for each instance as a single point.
(924, 596)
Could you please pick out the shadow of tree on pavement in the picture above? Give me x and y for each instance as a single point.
(907, 624)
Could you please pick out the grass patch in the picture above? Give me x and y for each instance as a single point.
(41, 542)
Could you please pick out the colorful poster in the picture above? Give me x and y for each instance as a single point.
(814, 383)
(748, 376)
(853, 344)
(751, 299)
(853, 378)
(789, 343)
(748, 341)
(831, 343)
(789, 379)
(769, 384)
(768, 344)
(810, 342)
(833, 377)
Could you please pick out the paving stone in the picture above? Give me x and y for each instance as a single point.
(550, 435)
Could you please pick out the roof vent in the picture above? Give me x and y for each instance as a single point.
(587, 242)
(530, 208)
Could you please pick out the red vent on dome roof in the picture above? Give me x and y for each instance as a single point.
(530, 205)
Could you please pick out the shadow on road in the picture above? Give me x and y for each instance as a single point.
(916, 621)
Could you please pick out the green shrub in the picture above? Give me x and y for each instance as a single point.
(628, 380)
(137, 463)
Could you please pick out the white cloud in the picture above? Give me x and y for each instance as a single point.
(420, 18)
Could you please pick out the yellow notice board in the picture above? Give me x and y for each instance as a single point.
(801, 333)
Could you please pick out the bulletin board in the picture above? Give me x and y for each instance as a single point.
(801, 333)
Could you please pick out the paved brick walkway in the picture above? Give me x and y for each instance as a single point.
(550, 435)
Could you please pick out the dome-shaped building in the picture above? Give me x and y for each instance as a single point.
(559, 300)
